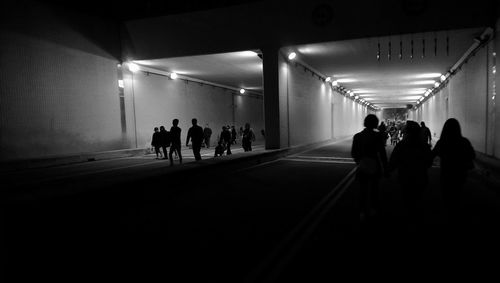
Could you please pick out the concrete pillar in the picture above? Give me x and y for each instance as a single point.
(270, 62)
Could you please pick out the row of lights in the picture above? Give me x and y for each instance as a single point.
(433, 90)
(134, 68)
(339, 88)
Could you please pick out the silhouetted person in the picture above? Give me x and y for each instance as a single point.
(263, 133)
(225, 138)
(207, 133)
(411, 158)
(456, 156)
(156, 142)
(195, 133)
(219, 149)
(425, 134)
(383, 131)
(165, 141)
(234, 134)
(175, 135)
(368, 151)
(248, 138)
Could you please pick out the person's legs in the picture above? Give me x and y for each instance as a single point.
(172, 149)
(178, 150)
(228, 152)
(196, 151)
(165, 151)
(157, 151)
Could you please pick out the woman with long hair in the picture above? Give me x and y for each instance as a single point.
(456, 156)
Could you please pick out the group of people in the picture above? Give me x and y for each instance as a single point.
(411, 158)
(199, 137)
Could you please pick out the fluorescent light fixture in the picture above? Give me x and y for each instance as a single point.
(173, 76)
(356, 97)
(421, 98)
(292, 56)
(443, 77)
(133, 67)
(436, 84)
(328, 79)
(120, 83)
(242, 91)
(351, 93)
(335, 83)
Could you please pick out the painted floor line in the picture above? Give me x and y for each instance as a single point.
(319, 161)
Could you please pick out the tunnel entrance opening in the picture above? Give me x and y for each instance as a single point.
(217, 89)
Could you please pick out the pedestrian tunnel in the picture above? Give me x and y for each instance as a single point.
(217, 89)
(326, 89)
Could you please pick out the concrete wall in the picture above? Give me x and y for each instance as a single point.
(469, 96)
(310, 111)
(58, 84)
(159, 100)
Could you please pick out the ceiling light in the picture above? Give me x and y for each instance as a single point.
(120, 83)
(242, 91)
(292, 55)
(436, 84)
(351, 93)
(356, 97)
(328, 79)
(428, 76)
(335, 83)
(133, 67)
(443, 77)
(173, 76)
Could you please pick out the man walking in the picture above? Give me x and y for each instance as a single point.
(195, 133)
(175, 135)
(207, 133)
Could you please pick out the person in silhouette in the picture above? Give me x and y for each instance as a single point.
(165, 141)
(368, 151)
(411, 158)
(383, 131)
(248, 138)
(175, 135)
(234, 134)
(425, 134)
(456, 156)
(195, 133)
(156, 142)
(225, 138)
(219, 149)
(207, 133)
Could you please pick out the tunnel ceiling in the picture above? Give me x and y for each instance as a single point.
(235, 69)
(389, 82)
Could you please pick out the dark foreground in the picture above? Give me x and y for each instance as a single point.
(293, 219)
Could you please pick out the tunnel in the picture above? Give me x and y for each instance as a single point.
(88, 194)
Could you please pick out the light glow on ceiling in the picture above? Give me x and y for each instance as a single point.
(425, 82)
(133, 67)
(428, 76)
(346, 80)
(292, 56)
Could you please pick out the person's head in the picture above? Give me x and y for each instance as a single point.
(451, 129)
(194, 121)
(175, 122)
(162, 128)
(412, 130)
(247, 125)
(422, 124)
(223, 128)
(371, 121)
(156, 129)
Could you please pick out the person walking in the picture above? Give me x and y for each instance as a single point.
(225, 138)
(207, 133)
(195, 133)
(248, 138)
(456, 156)
(175, 135)
(165, 140)
(156, 142)
(411, 158)
(234, 134)
(368, 151)
(383, 131)
(425, 134)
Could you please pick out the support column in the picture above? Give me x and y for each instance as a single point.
(271, 96)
